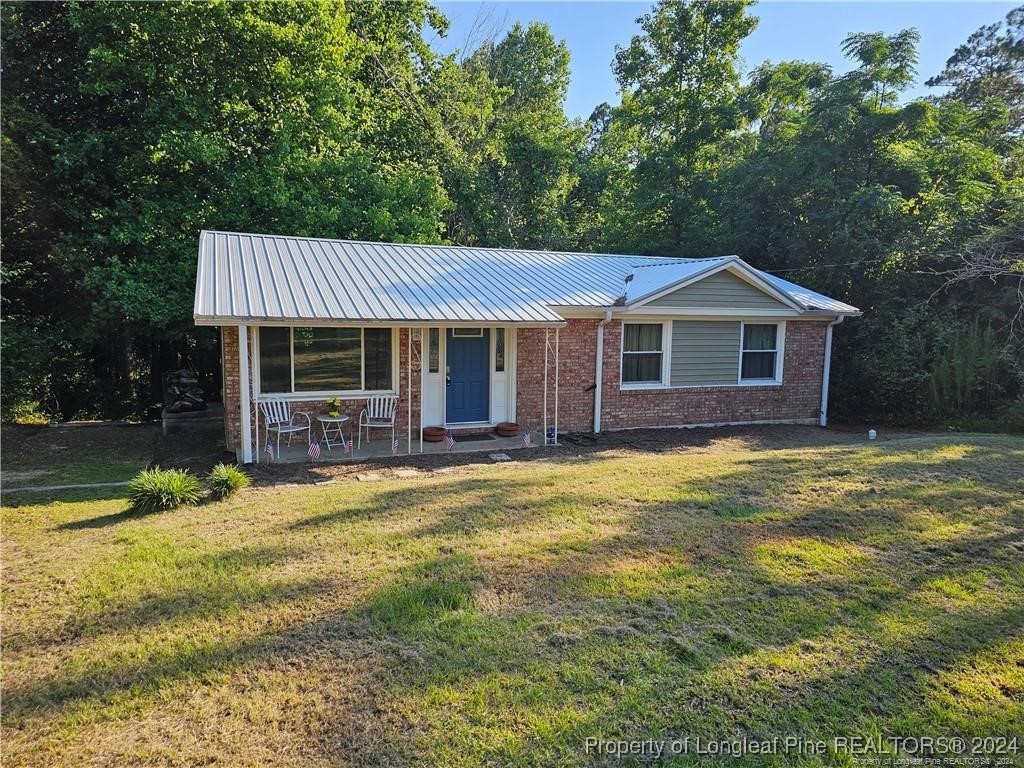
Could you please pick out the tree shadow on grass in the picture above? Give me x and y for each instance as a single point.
(197, 586)
(629, 662)
(105, 521)
(15, 498)
(493, 504)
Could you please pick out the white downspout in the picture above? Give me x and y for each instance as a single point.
(823, 414)
(243, 392)
(599, 369)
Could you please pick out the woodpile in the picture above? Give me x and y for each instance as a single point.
(182, 392)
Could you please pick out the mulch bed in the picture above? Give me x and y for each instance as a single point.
(28, 446)
(572, 445)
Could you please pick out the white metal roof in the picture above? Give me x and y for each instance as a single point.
(268, 278)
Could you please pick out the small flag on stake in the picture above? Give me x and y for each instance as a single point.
(269, 448)
(527, 439)
(394, 445)
(346, 445)
(449, 439)
(314, 449)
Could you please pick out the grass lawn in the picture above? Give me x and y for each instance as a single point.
(502, 614)
(98, 453)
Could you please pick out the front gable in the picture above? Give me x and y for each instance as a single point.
(722, 289)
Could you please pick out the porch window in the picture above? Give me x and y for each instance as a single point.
(433, 350)
(324, 359)
(642, 353)
(760, 352)
(276, 359)
(499, 350)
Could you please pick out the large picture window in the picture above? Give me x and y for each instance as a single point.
(325, 359)
(759, 352)
(642, 353)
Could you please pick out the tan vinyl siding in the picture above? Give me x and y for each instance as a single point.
(722, 290)
(704, 352)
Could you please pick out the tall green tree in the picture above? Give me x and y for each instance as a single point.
(989, 66)
(172, 117)
(680, 84)
(515, 164)
(859, 194)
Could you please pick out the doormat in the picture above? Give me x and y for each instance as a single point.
(473, 438)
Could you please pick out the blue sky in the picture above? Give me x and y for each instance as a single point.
(788, 30)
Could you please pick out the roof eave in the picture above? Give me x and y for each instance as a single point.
(306, 322)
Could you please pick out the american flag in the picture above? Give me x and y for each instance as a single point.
(394, 445)
(314, 449)
(346, 445)
(269, 448)
(527, 439)
(449, 439)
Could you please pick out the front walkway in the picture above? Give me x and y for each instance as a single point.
(380, 447)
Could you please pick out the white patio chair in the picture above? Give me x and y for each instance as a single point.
(379, 413)
(279, 418)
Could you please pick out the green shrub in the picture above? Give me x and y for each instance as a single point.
(157, 489)
(225, 479)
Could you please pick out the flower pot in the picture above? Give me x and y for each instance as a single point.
(433, 434)
(507, 429)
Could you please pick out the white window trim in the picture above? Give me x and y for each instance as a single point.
(666, 354)
(780, 348)
(341, 394)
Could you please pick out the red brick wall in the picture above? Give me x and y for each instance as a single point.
(797, 398)
(577, 349)
(232, 412)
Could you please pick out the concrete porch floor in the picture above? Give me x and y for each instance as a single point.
(380, 448)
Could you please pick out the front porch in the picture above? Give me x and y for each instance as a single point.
(380, 447)
(466, 378)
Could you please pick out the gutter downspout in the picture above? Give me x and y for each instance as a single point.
(599, 370)
(823, 413)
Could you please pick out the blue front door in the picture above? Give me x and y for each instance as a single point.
(468, 376)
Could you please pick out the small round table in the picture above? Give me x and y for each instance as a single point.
(332, 426)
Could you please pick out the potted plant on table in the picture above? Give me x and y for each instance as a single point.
(333, 407)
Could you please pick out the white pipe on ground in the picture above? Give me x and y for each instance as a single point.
(823, 414)
(599, 369)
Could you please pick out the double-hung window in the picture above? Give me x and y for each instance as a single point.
(643, 351)
(325, 359)
(759, 353)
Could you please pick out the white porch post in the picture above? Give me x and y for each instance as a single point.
(424, 337)
(408, 381)
(243, 392)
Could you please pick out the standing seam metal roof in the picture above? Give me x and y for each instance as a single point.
(250, 277)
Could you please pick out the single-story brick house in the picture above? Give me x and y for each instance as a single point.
(471, 337)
